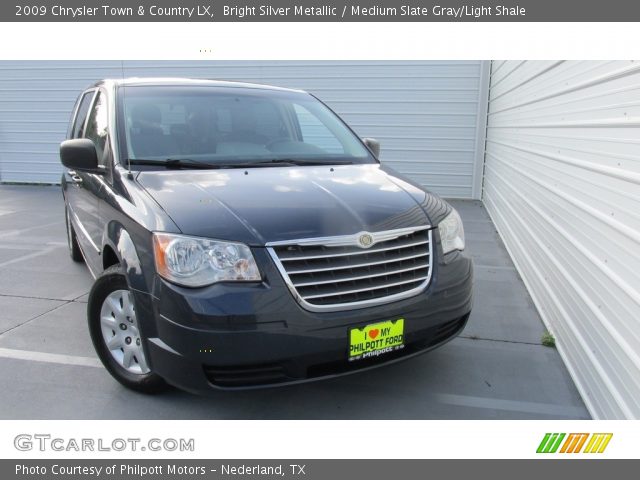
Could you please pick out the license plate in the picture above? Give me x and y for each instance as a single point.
(376, 339)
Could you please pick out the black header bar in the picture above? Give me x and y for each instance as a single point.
(319, 11)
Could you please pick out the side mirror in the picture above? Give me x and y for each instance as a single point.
(373, 144)
(80, 154)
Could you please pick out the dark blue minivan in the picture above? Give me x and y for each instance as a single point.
(244, 236)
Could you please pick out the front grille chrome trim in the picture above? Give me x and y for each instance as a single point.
(352, 241)
(362, 252)
(356, 265)
(353, 279)
(347, 292)
(349, 240)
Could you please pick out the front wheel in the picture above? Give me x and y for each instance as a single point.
(115, 333)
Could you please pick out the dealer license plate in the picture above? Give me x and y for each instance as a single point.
(376, 339)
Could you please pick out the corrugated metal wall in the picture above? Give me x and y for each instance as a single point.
(562, 184)
(429, 116)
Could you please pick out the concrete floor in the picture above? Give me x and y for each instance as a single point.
(48, 369)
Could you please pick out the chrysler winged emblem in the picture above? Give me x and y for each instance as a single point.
(365, 240)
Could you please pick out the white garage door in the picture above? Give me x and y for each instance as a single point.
(429, 116)
(562, 184)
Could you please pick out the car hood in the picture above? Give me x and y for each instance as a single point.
(260, 205)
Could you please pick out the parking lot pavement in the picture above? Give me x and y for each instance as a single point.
(496, 369)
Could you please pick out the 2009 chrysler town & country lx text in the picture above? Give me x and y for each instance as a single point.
(244, 236)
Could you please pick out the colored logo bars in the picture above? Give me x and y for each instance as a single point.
(574, 443)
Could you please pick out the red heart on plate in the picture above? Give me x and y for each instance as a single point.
(374, 333)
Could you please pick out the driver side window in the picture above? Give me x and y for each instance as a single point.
(97, 126)
(81, 114)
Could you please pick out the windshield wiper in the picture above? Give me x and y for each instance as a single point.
(179, 163)
(287, 161)
(174, 163)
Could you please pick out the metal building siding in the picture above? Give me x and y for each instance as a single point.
(562, 184)
(427, 115)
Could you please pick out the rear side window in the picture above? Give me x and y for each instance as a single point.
(97, 125)
(83, 108)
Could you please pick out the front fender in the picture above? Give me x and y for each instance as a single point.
(119, 240)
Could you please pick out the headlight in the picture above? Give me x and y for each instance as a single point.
(451, 232)
(196, 262)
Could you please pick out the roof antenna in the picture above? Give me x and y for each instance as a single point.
(124, 106)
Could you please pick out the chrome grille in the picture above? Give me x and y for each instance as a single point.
(337, 273)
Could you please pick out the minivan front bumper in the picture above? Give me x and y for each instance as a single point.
(234, 336)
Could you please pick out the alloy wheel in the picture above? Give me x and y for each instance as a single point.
(120, 332)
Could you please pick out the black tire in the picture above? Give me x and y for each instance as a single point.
(72, 241)
(112, 280)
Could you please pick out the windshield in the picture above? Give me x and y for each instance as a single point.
(231, 126)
